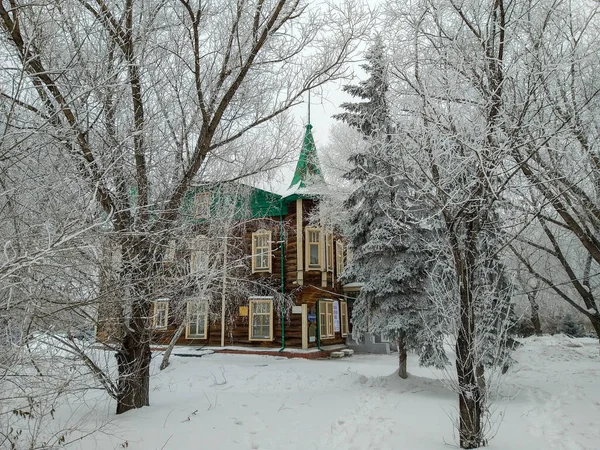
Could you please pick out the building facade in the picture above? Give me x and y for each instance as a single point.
(255, 270)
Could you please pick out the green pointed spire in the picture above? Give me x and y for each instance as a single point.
(308, 162)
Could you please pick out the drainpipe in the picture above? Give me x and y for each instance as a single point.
(281, 239)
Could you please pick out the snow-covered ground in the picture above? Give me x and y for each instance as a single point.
(550, 399)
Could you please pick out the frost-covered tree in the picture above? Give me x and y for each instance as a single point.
(389, 229)
(371, 116)
(392, 259)
(145, 99)
(493, 292)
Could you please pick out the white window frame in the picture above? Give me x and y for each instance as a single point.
(318, 243)
(329, 251)
(189, 312)
(344, 318)
(326, 326)
(202, 204)
(199, 257)
(252, 302)
(170, 251)
(339, 258)
(156, 305)
(256, 239)
(349, 255)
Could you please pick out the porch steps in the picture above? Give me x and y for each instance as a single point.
(342, 353)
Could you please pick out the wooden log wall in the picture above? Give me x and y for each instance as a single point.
(311, 291)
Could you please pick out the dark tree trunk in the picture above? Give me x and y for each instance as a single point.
(402, 373)
(480, 372)
(133, 361)
(469, 395)
(134, 355)
(535, 314)
(595, 321)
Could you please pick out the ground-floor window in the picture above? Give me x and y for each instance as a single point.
(344, 318)
(261, 319)
(160, 314)
(326, 319)
(197, 319)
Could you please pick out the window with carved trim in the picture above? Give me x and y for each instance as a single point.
(199, 255)
(197, 319)
(160, 314)
(344, 318)
(170, 251)
(261, 319)
(314, 248)
(261, 251)
(329, 251)
(349, 255)
(339, 258)
(202, 202)
(326, 319)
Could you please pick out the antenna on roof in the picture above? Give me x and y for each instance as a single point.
(309, 106)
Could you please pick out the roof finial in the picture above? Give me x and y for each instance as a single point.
(309, 106)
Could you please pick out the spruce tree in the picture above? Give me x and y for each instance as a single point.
(389, 228)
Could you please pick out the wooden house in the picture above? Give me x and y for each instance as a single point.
(269, 277)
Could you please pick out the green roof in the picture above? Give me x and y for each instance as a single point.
(243, 201)
(308, 162)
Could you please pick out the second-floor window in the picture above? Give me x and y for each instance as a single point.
(261, 251)
(314, 248)
(160, 314)
(329, 251)
(202, 201)
(339, 258)
(199, 255)
(170, 251)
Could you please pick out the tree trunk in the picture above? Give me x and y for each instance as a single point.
(595, 321)
(134, 355)
(165, 360)
(133, 361)
(535, 316)
(480, 372)
(402, 373)
(469, 395)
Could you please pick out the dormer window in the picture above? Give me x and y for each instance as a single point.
(314, 248)
(202, 202)
(261, 251)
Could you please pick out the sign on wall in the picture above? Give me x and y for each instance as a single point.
(243, 311)
(336, 316)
